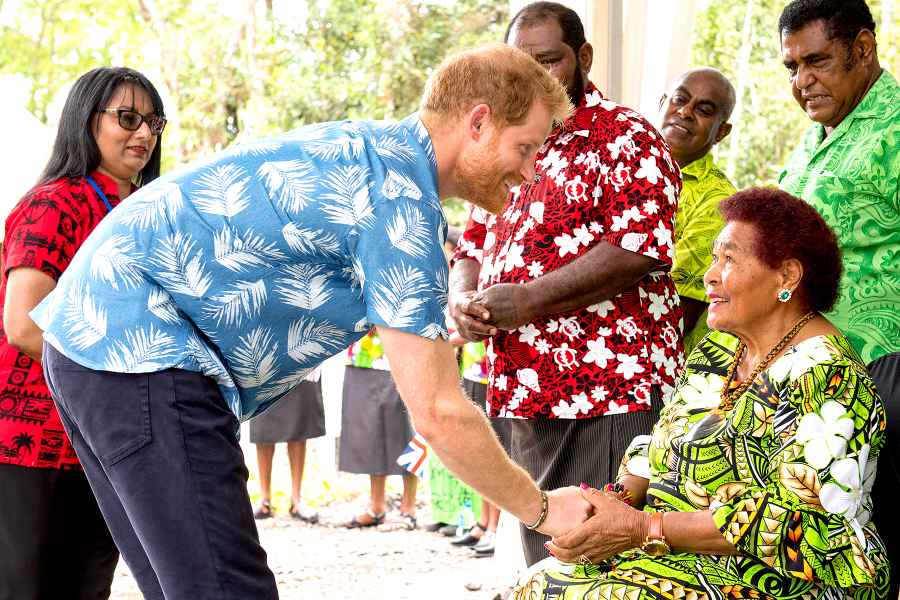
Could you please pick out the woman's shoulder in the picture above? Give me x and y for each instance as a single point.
(821, 354)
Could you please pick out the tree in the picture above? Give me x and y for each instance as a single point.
(243, 69)
(740, 38)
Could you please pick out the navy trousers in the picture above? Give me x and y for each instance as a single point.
(160, 451)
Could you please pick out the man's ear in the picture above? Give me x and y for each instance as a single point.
(586, 56)
(864, 46)
(724, 130)
(479, 118)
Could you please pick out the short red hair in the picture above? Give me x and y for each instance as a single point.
(787, 227)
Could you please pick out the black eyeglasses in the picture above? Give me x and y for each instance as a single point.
(132, 120)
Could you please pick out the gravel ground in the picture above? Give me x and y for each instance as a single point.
(329, 561)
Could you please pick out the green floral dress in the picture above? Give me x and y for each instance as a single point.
(786, 475)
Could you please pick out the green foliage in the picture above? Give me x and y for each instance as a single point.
(240, 69)
(768, 123)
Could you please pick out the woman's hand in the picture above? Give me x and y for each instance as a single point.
(614, 527)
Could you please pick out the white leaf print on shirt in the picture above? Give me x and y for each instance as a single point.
(85, 318)
(244, 300)
(399, 295)
(237, 253)
(161, 304)
(142, 351)
(391, 147)
(308, 339)
(310, 241)
(306, 286)
(397, 184)
(222, 191)
(409, 233)
(253, 359)
(289, 183)
(209, 363)
(347, 202)
(182, 269)
(347, 148)
(116, 260)
(152, 206)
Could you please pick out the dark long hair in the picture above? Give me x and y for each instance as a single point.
(75, 152)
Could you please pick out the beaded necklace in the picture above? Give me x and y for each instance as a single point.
(731, 391)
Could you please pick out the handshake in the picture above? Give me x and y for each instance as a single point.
(479, 315)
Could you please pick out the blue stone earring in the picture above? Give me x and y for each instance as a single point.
(784, 295)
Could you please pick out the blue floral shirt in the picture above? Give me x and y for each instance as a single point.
(256, 265)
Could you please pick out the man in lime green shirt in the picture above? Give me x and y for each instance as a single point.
(847, 167)
(694, 119)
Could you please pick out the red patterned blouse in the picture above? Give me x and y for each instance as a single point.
(604, 175)
(42, 232)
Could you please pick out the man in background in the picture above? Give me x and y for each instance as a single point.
(846, 166)
(582, 327)
(695, 117)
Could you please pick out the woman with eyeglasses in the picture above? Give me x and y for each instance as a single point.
(54, 542)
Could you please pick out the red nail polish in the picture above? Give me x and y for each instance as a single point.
(585, 486)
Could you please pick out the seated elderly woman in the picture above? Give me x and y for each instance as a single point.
(755, 481)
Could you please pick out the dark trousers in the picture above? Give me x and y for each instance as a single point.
(54, 544)
(561, 452)
(885, 374)
(162, 456)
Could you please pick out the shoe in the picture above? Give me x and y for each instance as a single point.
(358, 522)
(447, 530)
(402, 522)
(468, 538)
(304, 513)
(435, 527)
(485, 546)
(264, 511)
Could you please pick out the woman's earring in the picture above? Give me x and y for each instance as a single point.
(785, 295)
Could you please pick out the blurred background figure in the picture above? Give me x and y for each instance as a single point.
(299, 418)
(375, 430)
(53, 539)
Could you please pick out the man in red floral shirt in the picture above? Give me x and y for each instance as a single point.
(570, 283)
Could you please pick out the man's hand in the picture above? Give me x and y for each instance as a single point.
(470, 316)
(509, 305)
(567, 509)
(613, 528)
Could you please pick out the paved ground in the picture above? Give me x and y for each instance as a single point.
(328, 561)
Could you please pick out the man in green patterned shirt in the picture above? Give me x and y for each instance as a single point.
(846, 166)
(694, 119)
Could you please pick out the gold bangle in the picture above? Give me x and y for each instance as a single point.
(545, 510)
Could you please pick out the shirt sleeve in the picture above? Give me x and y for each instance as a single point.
(636, 460)
(471, 242)
(701, 223)
(638, 196)
(42, 235)
(400, 259)
(809, 516)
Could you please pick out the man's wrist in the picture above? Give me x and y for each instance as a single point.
(543, 510)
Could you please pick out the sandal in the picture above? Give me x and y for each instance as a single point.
(402, 522)
(264, 511)
(304, 513)
(356, 523)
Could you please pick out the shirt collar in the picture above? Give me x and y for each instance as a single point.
(881, 97)
(700, 168)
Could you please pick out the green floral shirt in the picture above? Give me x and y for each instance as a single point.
(851, 177)
(697, 223)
